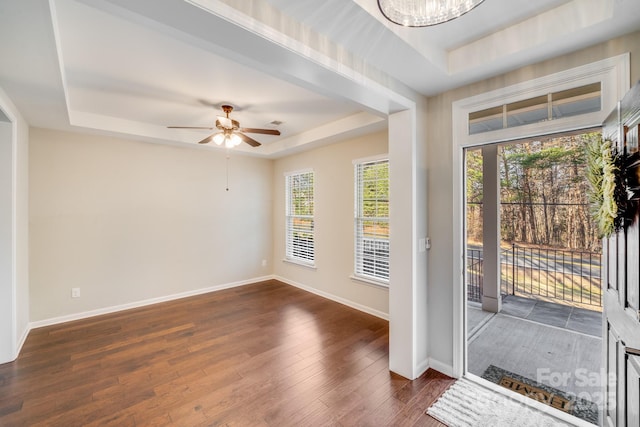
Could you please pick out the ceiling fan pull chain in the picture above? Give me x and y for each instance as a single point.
(227, 162)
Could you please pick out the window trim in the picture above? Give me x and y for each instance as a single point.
(373, 280)
(289, 258)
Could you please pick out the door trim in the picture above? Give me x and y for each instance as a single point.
(613, 74)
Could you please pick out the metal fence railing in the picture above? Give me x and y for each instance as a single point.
(559, 275)
(474, 275)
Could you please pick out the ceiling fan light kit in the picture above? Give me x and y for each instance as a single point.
(230, 140)
(231, 134)
(424, 13)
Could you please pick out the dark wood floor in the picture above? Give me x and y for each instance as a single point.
(260, 355)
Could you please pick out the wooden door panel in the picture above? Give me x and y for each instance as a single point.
(622, 320)
(612, 257)
(621, 385)
(622, 295)
(612, 367)
(621, 251)
(633, 233)
(633, 273)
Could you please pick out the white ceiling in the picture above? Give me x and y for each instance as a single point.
(133, 67)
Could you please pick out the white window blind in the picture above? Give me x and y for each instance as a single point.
(300, 240)
(372, 220)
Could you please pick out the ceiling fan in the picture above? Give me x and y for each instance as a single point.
(231, 134)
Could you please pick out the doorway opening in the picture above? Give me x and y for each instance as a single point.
(533, 280)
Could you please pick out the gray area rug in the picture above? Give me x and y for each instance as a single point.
(467, 404)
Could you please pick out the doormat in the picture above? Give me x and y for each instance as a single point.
(542, 393)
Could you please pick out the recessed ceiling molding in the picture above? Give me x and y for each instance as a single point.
(348, 127)
(271, 51)
(128, 129)
(370, 65)
(117, 125)
(307, 63)
(59, 55)
(180, 26)
(3, 117)
(546, 28)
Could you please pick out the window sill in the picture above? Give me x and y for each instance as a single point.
(308, 265)
(373, 282)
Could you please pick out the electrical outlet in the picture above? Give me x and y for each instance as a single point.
(264, 262)
(75, 292)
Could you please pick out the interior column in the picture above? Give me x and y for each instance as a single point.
(407, 328)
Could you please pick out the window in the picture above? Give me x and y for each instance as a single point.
(299, 211)
(372, 220)
(556, 105)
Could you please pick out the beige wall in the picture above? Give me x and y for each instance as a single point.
(334, 208)
(440, 180)
(129, 221)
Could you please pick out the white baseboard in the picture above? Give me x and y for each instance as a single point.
(113, 309)
(441, 367)
(17, 347)
(136, 304)
(335, 298)
(21, 341)
(422, 367)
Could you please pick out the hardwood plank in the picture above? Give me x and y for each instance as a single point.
(265, 354)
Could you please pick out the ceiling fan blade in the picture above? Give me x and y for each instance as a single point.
(262, 131)
(252, 142)
(189, 127)
(207, 139)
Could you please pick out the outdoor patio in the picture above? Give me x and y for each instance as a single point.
(550, 346)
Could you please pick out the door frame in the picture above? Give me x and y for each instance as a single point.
(16, 291)
(8, 291)
(613, 74)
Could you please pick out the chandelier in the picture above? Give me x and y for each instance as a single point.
(423, 13)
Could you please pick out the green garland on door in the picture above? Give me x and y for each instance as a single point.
(606, 194)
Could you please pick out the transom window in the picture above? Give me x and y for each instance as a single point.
(300, 242)
(372, 219)
(565, 103)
